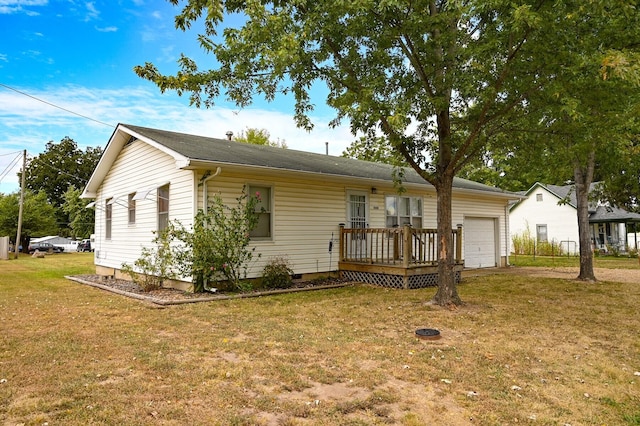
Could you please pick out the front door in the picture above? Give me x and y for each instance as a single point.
(358, 218)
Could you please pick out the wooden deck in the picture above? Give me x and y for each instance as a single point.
(394, 257)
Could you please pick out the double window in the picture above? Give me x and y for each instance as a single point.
(264, 210)
(402, 211)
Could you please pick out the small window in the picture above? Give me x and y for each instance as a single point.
(402, 211)
(108, 215)
(541, 231)
(132, 209)
(163, 208)
(539, 197)
(264, 210)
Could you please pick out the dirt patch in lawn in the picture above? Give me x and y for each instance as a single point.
(602, 274)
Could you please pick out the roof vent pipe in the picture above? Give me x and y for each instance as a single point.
(326, 148)
(229, 135)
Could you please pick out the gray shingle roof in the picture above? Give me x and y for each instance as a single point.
(223, 151)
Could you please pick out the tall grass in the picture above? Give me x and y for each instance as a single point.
(526, 244)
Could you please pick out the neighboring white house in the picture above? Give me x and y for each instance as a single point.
(549, 213)
(146, 177)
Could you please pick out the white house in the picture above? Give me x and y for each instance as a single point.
(549, 213)
(146, 177)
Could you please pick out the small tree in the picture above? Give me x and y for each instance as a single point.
(218, 245)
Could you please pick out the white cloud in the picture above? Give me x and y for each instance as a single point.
(92, 12)
(26, 123)
(111, 29)
(3, 57)
(8, 7)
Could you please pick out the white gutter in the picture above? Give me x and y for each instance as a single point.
(205, 197)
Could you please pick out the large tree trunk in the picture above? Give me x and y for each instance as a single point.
(447, 293)
(583, 177)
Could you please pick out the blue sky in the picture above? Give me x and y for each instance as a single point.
(79, 56)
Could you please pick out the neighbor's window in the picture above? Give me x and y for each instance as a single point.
(539, 197)
(132, 208)
(264, 210)
(402, 211)
(163, 207)
(541, 231)
(108, 214)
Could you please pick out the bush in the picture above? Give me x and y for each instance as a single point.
(277, 273)
(154, 265)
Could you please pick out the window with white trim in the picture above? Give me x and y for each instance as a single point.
(264, 210)
(132, 209)
(539, 197)
(163, 207)
(402, 211)
(108, 216)
(541, 233)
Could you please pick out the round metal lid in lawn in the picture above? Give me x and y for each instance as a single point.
(428, 333)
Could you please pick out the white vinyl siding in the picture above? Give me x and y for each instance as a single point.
(137, 169)
(560, 219)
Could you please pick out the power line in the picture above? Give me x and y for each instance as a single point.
(56, 106)
(10, 167)
(11, 153)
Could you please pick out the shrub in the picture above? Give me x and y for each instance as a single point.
(154, 265)
(217, 248)
(277, 273)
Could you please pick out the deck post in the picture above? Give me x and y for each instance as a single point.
(342, 248)
(459, 244)
(406, 246)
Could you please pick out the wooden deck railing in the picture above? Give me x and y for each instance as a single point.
(406, 246)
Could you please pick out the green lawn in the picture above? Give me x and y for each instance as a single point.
(521, 351)
(561, 261)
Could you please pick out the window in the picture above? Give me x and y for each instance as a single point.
(264, 210)
(539, 197)
(108, 215)
(132, 209)
(402, 211)
(541, 232)
(163, 207)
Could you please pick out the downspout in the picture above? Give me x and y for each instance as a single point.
(205, 196)
(205, 206)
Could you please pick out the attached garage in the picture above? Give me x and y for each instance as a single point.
(480, 242)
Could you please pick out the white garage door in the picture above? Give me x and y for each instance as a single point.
(479, 235)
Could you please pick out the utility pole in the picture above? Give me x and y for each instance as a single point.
(22, 185)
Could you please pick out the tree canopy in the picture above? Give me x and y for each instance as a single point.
(259, 137)
(38, 217)
(58, 168)
(438, 78)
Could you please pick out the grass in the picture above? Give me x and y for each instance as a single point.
(610, 262)
(534, 351)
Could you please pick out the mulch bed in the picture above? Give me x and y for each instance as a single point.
(171, 296)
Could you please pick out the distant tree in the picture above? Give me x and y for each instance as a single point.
(259, 137)
(38, 217)
(376, 149)
(60, 166)
(81, 219)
